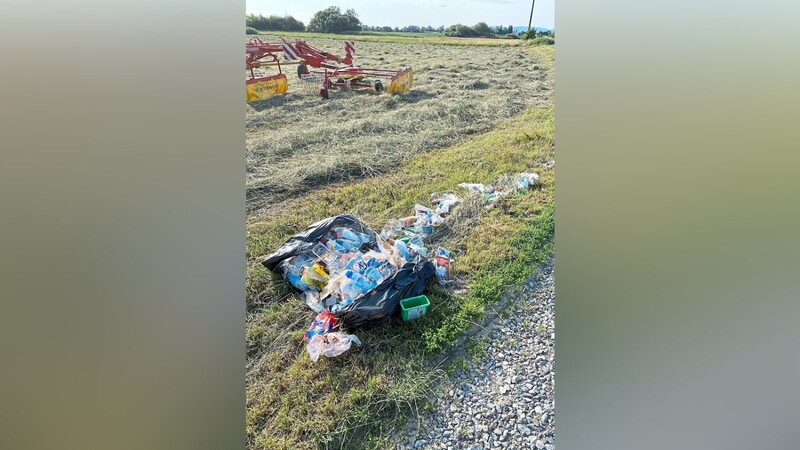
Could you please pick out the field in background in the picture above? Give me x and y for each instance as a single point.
(402, 38)
(458, 91)
(449, 129)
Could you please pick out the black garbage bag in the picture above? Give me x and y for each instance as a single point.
(377, 306)
(307, 238)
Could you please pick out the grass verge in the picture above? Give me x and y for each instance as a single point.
(359, 398)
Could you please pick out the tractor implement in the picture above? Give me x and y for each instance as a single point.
(336, 72)
(259, 85)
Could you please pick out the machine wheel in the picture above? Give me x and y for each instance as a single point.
(378, 86)
(302, 69)
(323, 93)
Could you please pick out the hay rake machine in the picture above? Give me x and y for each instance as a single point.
(336, 72)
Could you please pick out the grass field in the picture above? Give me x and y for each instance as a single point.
(458, 91)
(358, 399)
(403, 38)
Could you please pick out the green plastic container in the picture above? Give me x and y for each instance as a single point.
(414, 307)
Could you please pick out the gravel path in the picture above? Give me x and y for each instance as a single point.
(504, 398)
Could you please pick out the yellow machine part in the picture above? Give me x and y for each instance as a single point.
(263, 90)
(402, 84)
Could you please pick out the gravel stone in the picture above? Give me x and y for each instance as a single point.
(505, 398)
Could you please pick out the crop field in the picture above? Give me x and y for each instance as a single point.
(474, 114)
(298, 141)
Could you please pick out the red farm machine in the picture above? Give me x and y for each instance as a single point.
(330, 71)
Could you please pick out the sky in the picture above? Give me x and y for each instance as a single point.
(398, 13)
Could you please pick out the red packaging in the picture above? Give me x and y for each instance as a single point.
(323, 323)
(442, 264)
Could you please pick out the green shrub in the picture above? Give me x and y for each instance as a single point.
(542, 40)
(250, 30)
(460, 30)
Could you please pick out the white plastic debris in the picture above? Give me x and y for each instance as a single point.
(527, 180)
(331, 344)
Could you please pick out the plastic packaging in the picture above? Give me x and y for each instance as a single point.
(323, 323)
(444, 202)
(401, 247)
(442, 263)
(313, 301)
(315, 276)
(526, 180)
(331, 345)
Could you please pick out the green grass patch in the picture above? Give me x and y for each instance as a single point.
(360, 398)
(542, 40)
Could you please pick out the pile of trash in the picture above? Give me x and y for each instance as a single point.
(353, 277)
(350, 276)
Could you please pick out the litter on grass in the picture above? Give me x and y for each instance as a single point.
(353, 277)
(331, 344)
(491, 194)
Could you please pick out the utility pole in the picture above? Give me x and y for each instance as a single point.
(530, 21)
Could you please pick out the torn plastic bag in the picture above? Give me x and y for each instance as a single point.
(331, 344)
(377, 306)
(306, 239)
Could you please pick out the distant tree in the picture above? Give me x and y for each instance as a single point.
(510, 29)
(482, 29)
(397, 29)
(440, 29)
(386, 29)
(331, 20)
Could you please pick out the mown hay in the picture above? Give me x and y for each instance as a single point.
(297, 141)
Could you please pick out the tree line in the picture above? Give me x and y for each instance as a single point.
(333, 20)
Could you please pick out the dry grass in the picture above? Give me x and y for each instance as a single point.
(297, 141)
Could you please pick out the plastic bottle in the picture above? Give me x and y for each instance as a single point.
(334, 246)
(348, 234)
(401, 246)
(360, 282)
(348, 291)
(347, 245)
(295, 281)
(374, 275)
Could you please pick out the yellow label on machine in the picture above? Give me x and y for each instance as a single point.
(402, 83)
(263, 90)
